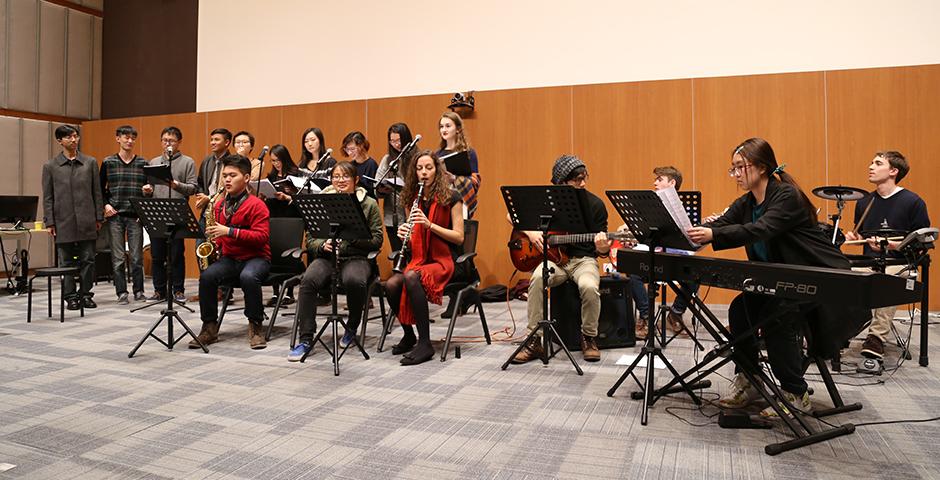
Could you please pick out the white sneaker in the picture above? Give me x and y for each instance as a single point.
(802, 403)
(741, 395)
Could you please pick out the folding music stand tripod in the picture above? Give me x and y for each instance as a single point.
(334, 216)
(651, 223)
(556, 207)
(167, 219)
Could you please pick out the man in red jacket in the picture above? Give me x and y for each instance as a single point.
(241, 232)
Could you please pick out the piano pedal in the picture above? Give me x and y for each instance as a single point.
(741, 420)
(871, 366)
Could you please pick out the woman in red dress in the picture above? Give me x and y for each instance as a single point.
(436, 234)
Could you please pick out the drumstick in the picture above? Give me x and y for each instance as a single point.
(865, 240)
(864, 214)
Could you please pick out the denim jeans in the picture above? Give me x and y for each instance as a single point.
(248, 274)
(354, 276)
(118, 227)
(158, 254)
(78, 254)
(641, 298)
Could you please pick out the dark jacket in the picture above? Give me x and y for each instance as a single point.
(207, 170)
(355, 248)
(71, 198)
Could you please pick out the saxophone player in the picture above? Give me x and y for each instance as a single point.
(238, 224)
(183, 170)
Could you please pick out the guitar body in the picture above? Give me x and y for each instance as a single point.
(525, 256)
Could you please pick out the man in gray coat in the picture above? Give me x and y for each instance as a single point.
(183, 171)
(73, 211)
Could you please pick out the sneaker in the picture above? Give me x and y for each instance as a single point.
(741, 395)
(89, 303)
(139, 297)
(298, 352)
(157, 296)
(873, 347)
(122, 299)
(179, 297)
(74, 304)
(347, 339)
(802, 403)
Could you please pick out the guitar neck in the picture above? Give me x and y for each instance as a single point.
(583, 238)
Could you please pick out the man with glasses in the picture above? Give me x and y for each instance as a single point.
(581, 267)
(183, 172)
(73, 211)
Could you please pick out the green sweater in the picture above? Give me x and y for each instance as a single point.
(355, 248)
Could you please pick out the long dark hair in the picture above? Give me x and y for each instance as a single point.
(404, 134)
(759, 153)
(440, 187)
(288, 167)
(305, 156)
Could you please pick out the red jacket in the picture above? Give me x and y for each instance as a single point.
(252, 230)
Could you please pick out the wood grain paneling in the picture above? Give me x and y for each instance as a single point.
(824, 126)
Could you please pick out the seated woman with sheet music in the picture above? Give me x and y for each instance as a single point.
(454, 140)
(775, 222)
(355, 268)
(282, 165)
(434, 231)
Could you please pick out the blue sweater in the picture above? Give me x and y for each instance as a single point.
(902, 211)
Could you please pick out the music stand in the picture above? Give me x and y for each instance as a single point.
(337, 217)
(692, 203)
(168, 219)
(555, 207)
(651, 223)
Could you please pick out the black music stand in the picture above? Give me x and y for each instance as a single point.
(168, 219)
(651, 223)
(555, 207)
(335, 216)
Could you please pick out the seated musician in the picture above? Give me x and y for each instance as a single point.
(435, 239)
(775, 222)
(666, 177)
(892, 207)
(241, 231)
(355, 268)
(581, 267)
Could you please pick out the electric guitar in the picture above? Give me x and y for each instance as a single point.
(526, 256)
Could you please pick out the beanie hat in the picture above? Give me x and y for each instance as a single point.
(563, 168)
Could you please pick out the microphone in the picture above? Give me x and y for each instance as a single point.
(169, 151)
(264, 151)
(325, 154)
(394, 163)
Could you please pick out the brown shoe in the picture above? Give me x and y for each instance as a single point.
(530, 351)
(873, 347)
(589, 349)
(641, 329)
(208, 335)
(675, 323)
(256, 336)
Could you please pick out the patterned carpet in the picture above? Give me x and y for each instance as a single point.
(72, 405)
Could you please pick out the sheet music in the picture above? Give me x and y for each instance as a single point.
(299, 182)
(267, 188)
(673, 204)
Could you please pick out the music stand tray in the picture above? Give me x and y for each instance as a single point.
(337, 217)
(167, 219)
(545, 208)
(651, 222)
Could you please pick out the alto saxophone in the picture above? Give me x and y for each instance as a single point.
(207, 252)
(400, 261)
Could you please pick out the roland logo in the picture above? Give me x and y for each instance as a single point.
(800, 288)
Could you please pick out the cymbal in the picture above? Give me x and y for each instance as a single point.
(884, 232)
(848, 194)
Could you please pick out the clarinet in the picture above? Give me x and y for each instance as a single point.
(400, 261)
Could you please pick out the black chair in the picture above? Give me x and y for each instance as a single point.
(463, 285)
(287, 233)
(48, 273)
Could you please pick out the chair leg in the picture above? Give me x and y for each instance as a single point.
(49, 293)
(386, 329)
(61, 300)
(453, 320)
(29, 301)
(277, 307)
(81, 304)
(226, 291)
(486, 329)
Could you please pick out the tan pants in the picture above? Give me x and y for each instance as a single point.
(881, 318)
(583, 271)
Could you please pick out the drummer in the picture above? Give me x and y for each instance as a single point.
(893, 207)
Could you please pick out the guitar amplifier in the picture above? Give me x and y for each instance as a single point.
(615, 327)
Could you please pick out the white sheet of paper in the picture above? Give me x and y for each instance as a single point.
(300, 181)
(267, 188)
(673, 204)
(628, 358)
(6, 466)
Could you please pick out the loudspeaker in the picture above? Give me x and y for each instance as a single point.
(615, 327)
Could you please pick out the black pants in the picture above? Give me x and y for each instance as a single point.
(158, 255)
(354, 275)
(781, 334)
(82, 255)
(250, 274)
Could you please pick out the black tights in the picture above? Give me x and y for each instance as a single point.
(418, 300)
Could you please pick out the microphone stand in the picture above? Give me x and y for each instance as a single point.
(393, 167)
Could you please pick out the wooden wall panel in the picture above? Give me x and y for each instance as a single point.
(824, 125)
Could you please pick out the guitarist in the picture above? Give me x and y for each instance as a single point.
(581, 267)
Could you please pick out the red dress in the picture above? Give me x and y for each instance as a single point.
(431, 258)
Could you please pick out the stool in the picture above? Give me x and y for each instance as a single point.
(48, 273)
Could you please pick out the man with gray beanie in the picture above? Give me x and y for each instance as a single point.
(581, 267)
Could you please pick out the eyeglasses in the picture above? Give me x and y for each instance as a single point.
(341, 178)
(351, 149)
(737, 170)
(580, 178)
